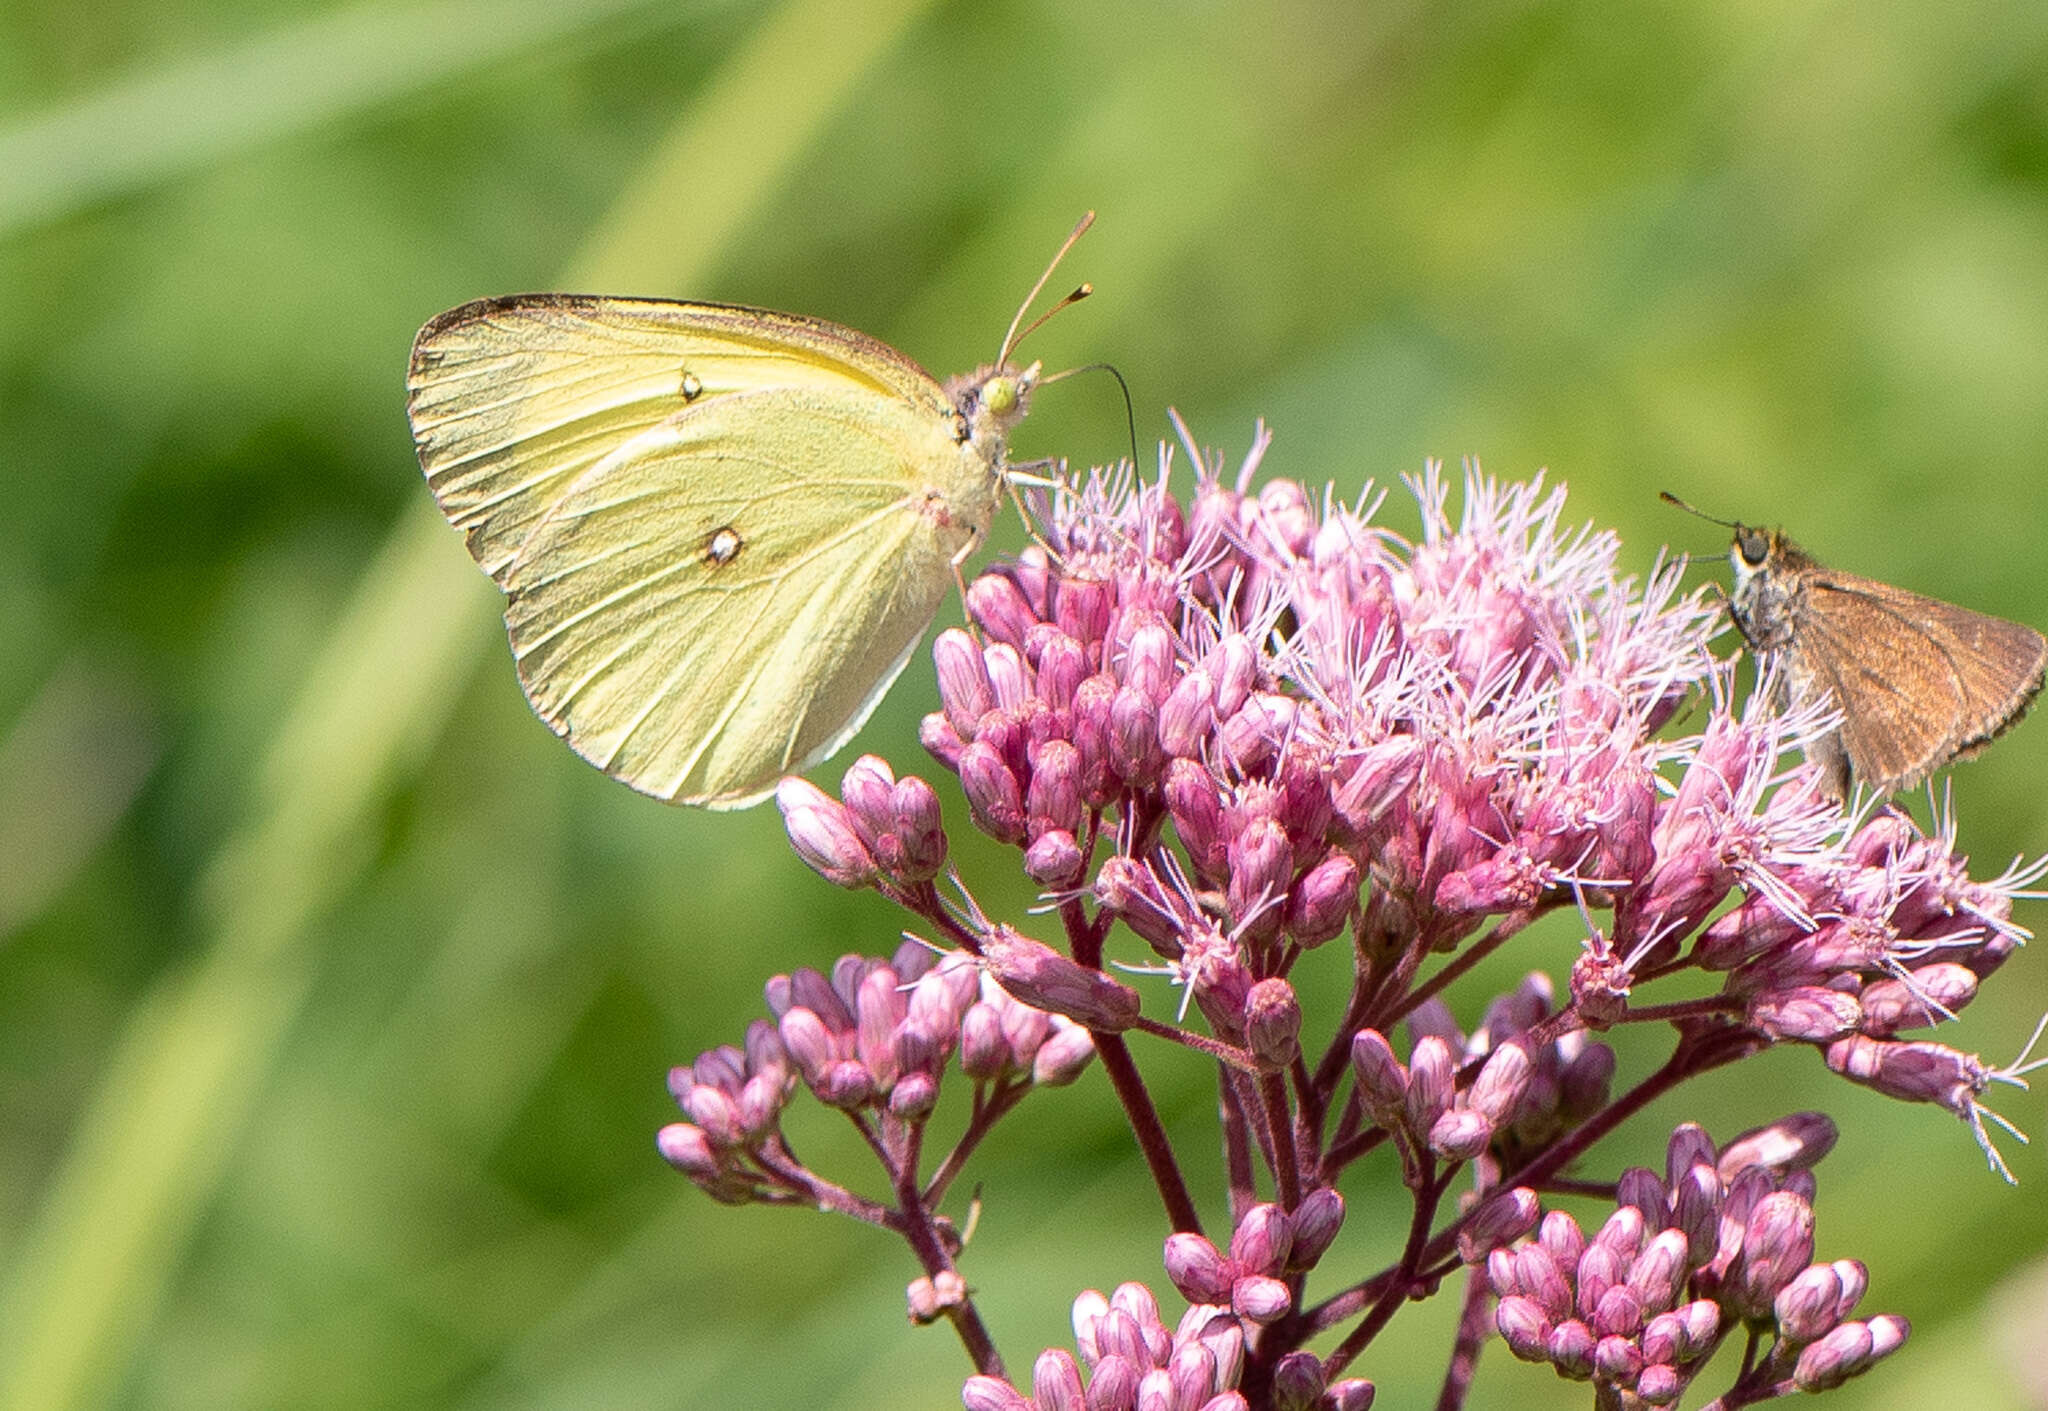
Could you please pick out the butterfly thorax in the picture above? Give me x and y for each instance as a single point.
(1771, 574)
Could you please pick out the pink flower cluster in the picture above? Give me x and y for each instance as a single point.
(1223, 735)
(1721, 1241)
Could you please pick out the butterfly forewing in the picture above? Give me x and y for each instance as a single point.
(512, 399)
(724, 598)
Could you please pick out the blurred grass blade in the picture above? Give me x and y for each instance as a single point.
(70, 765)
(187, 115)
(153, 1141)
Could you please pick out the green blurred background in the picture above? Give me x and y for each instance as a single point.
(336, 996)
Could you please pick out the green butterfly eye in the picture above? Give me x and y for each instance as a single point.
(1000, 395)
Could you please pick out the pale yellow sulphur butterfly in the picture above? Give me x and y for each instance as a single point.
(720, 531)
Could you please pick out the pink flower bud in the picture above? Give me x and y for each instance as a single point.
(1192, 1372)
(1383, 774)
(1063, 1057)
(1561, 1237)
(984, 1053)
(1188, 716)
(1844, 1352)
(997, 606)
(1460, 1134)
(1260, 1299)
(1324, 901)
(1350, 1394)
(1794, 1143)
(1196, 1268)
(1498, 1090)
(1081, 607)
(1196, 805)
(1616, 1358)
(1316, 1222)
(822, 832)
(688, 1150)
(1432, 1078)
(1054, 798)
(1382, 1080)
(1261, 1241)
(1806, 1308)
(1506, 1216)
(993, 797)
(981, 1393)
(1272, 1024)
(1660, 1270)
(1777, 1243)
(1524, 1328)
(1148, 663)
(1090, 732)
(1040, 976)
(1805, 1014)
(1297, 1382)
(1009, 678)
(964, 688)
(1571, 1349)
(1640, 1188)
(940, 740)
(1538, 1277)
(1062, 667)
(1261, 860)
(1234, 667)
(1892, 1005)
(1584, 1083)
(1659, 1384)
(1054, 859)
(1134, 751)
(913, 1096)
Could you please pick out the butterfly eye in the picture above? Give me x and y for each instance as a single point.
(1753, 545)
(1000, 395)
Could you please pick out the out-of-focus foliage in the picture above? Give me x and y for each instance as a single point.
(336, 995)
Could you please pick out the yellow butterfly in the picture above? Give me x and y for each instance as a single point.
(720, 531)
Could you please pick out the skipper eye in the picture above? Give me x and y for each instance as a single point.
(1753, 545)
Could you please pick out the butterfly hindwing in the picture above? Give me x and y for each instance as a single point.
(724, 598)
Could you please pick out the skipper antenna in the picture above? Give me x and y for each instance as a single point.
(1013, 337)
(1670, 499)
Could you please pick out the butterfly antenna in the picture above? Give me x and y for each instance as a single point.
(1130, 417)
(1670, 499)
(1013, 337)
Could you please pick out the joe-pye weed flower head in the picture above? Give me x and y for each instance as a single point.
(1228, 730)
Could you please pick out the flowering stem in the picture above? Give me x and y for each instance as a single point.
(1280, 1133)
(1147, 1128)
(1713, 1007)
(1503, 931)
(1343, 1153)
(931, 1254)
(1237, 1148)
(1427, 1195)
(986, 1114)
(1223, 1053)
(1473, 1326)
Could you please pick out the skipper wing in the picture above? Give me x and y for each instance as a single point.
(1919, 681)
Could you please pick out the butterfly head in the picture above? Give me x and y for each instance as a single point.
(991, 400)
